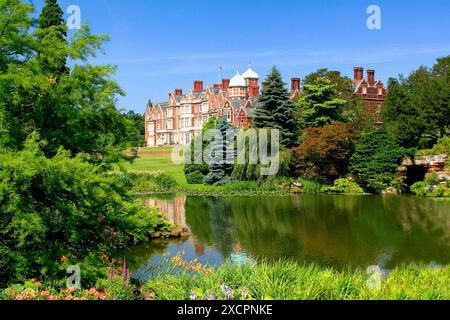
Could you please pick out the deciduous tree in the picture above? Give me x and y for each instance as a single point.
(325, 152)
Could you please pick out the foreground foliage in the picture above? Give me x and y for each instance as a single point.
(62, 207)
(288, 280)
(281, 280)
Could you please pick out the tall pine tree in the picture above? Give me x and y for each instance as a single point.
(52, 28)
(275, 109)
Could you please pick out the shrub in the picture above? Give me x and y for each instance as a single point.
(62, 207)
(376, 157)
(431, 187)
(202, 168)
(325, 152)
(195, 177)
(442, 147)
(419, 188)
(310, 186)
(345, 186)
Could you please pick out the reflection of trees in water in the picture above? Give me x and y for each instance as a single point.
(210, 220)
(338, 229)
(139, 256)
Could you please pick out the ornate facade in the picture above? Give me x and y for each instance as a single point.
(179, 120)
(182, 117)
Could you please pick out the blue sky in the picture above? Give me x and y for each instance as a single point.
(162, 45)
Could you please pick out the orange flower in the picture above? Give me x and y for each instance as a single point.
(45, 293)
(63, 259)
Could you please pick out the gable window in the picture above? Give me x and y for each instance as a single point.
(364, 91)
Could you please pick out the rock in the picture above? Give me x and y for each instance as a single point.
(155, 235)
(390, 190)
(185, 234)
(297, 185)
(178, 232)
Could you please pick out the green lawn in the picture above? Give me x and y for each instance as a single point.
(157, 159)
(160, 159)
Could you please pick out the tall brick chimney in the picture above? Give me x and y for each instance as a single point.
(371, 76)
(225, 84)
(358, 74)
(198, 85)
(295, 84)
(178, 92)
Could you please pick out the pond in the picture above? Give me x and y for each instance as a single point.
(337, 231)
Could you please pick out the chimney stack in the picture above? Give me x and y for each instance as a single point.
(178, 92)
(216, 86)
(358, 74)
(225, 84)
(198, 86)
(371, 76)
(295, 84)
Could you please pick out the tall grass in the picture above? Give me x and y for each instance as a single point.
(286, 280)
(311, 186)
(155, 181)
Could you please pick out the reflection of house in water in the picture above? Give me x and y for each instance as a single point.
(174, 208)
(199, 247)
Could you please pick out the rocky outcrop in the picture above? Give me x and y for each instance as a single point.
(178, 232)
(431, 163)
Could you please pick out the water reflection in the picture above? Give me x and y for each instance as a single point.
(337, 231)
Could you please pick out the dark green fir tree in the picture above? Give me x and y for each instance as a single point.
(275, 109)
(53, 29)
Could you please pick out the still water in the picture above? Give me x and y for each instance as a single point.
(337, 231)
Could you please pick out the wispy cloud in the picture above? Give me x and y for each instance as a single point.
(203, 63)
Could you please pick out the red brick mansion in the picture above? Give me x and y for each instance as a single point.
(182, 117)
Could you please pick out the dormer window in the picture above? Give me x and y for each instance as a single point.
(364, 90)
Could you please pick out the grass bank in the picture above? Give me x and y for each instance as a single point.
(146, 170)
(284, 280)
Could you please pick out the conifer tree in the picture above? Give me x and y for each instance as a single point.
(52, 28)
(318, 105)
(222, 155)
(275, 109)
